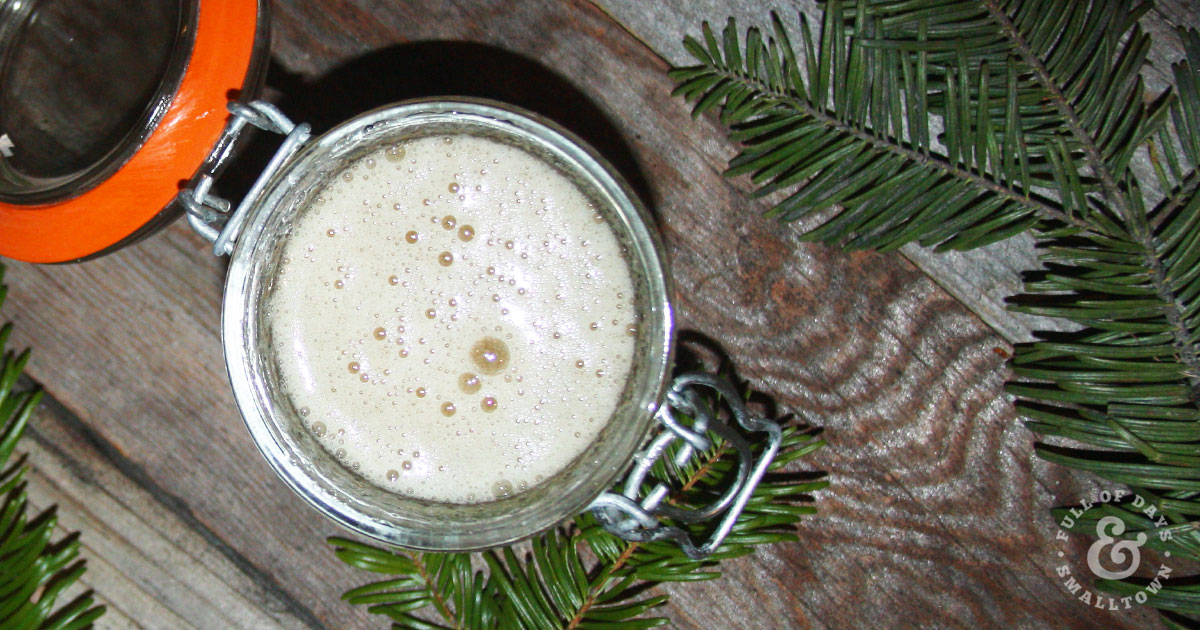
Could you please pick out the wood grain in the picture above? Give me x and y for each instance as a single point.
(148, 562)
(937, 517)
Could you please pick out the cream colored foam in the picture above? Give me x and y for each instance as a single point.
(439, 258)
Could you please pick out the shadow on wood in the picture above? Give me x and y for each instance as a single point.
(450, 68)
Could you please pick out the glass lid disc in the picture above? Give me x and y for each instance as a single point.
(81, 83)
(107, 107)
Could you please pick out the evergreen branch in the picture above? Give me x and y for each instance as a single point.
(1067, 110)
(1069, 53)
(1175, 221)
(1113, 194)
(616, 571)
(780, 103)
(595, 590)
(1092, 83)
(627, 555)
(34, 572)
(581, 576)
(1058, 127)
(429, 580)
(846, 136)
(439, 601)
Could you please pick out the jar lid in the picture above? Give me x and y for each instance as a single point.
(107, 107)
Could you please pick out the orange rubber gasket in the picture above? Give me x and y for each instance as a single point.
(150, 179)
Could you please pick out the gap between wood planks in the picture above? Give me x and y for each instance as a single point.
(150, 560)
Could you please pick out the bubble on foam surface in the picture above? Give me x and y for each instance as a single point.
(490, 355)
(469, 383)
(520, 284)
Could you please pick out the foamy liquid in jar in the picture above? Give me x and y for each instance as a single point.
(453, 319)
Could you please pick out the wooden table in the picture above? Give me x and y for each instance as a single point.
(938, 512)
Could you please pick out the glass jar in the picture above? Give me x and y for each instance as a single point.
(89, 164)
(277, 427)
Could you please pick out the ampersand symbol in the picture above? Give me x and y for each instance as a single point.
(1122, 550)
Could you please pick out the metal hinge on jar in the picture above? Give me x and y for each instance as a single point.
(639, 520)
(209, 214)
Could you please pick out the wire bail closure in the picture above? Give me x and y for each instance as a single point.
(622, 514)
(208, 214)
(627, 517)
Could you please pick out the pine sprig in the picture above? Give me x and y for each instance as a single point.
(1043, 111)
(579, 575)
(855, 134)
(1076, 63)
(427, 581)
(34, 572)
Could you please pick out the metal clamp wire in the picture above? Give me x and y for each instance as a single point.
(626, 516)
(209, 214)
(263, 115)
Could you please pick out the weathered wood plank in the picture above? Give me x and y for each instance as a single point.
(144, 561)
(129, 344)
(908, 382)
(937, 517)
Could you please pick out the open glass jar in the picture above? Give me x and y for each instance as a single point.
(277, 426)
(122, 184)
